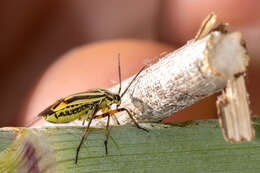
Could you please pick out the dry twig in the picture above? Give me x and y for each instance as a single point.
(198, 69)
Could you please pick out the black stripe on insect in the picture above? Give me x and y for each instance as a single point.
(95, 100)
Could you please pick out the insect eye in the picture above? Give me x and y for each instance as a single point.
(117, 97)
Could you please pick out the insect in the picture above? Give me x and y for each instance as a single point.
(85, 105)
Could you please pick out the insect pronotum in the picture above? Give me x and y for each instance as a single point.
(85, 105)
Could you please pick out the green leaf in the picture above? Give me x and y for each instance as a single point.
(185, 147)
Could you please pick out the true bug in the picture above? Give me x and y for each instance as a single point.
(85, 105)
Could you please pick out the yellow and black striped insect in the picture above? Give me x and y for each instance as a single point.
(85, 105)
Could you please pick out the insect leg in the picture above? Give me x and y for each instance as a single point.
(115, 119)
(107, 127)
(111, 112)
(132, 118)
(86, 130)
(107, 131)
(83, 122)
(104, 115)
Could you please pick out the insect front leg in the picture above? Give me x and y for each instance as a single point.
(95, 109)
(104, 115)
(115, 119)
(112, 112)
(132, 118)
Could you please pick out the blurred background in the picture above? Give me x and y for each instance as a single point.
(50, 49)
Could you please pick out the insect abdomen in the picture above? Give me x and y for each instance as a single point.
(69, 113)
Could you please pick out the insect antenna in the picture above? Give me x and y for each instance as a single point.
(119, 74)
(132, 81)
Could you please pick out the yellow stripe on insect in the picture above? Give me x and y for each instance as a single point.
(85, 105)
(61, 106)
